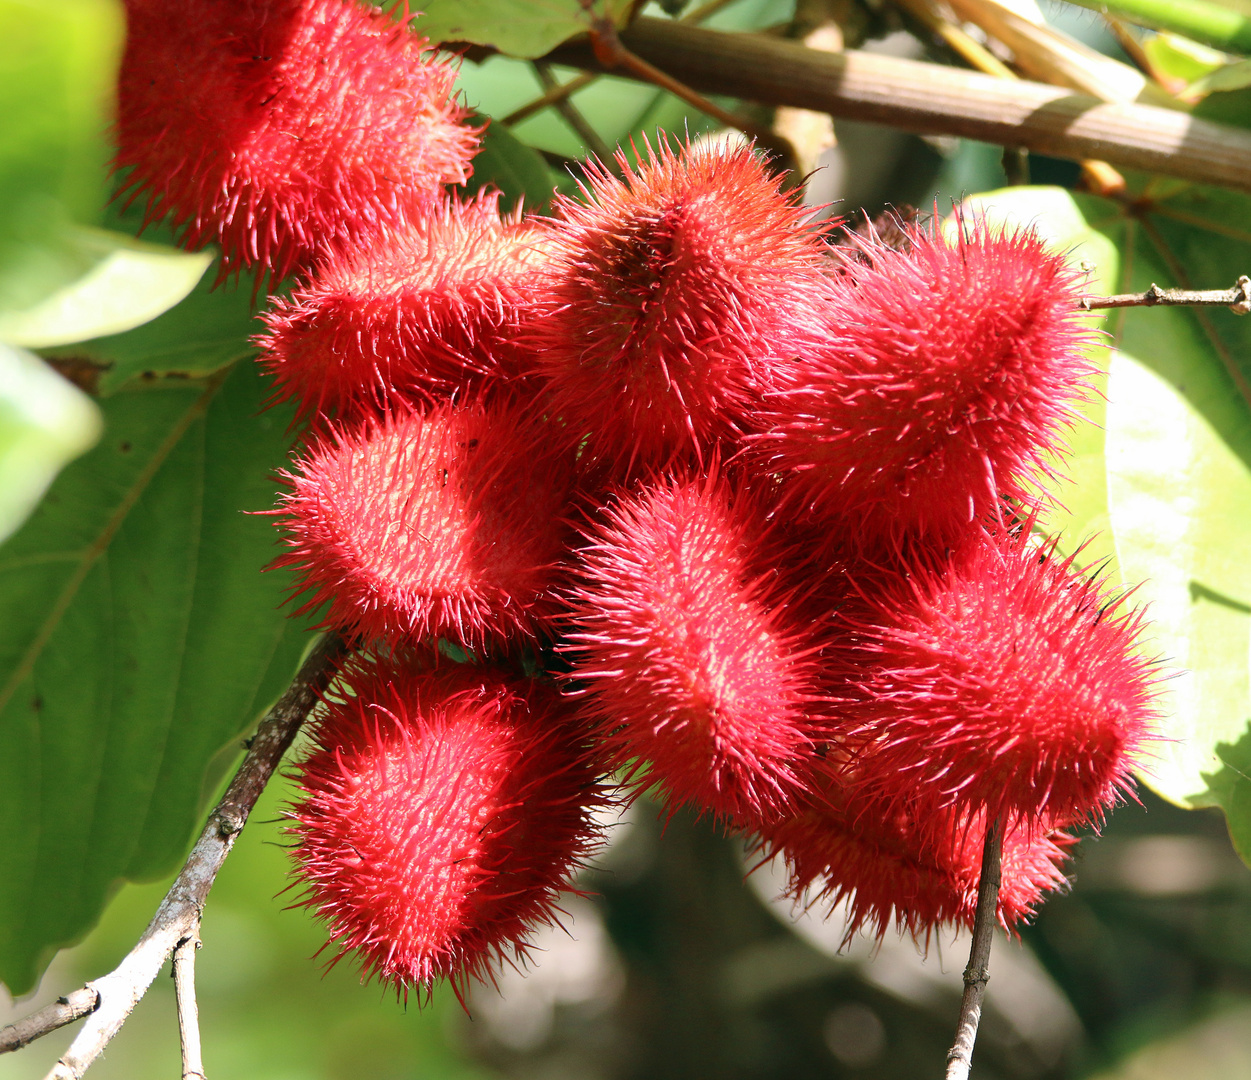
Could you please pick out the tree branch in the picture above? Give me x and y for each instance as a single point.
(65, 1010)
(977, 974)
(188, 1013)
(1237, 299)
(936, 100)
(178, 918)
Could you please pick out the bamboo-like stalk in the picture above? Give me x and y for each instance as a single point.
(936, 100)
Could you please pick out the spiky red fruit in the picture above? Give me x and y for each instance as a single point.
(894, 868)
(670, 292)
(442, 813)
(998, 679)
(943, 378)
(429, 311)
(687, 643)
(277, 127)
(449, 524)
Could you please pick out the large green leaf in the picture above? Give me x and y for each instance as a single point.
(45, 421)
(139, 637)
(1177, 469)
(58, 65)
(525, 28)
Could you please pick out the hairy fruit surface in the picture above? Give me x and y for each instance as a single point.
(430, 311)
(686, 642)
(670, 292)
(444, 524)
(278, 128)
(442, 811)
(1003, 679)
(943, 379)
(894, 869)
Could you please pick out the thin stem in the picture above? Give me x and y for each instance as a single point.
(552, 96)
(178, 917)
(1237, 299)
(188, 1013)
(977, 974)
(1213, 24)
(589, 136)
(609, 48)
(65, 1010)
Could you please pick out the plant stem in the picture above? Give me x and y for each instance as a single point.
(977, 974)
(188, 1013)
(1212, 24)
(936, 100)
(178, 918)
(65, 1010)
(1237, 299)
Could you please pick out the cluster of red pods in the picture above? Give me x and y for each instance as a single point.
(664, 490)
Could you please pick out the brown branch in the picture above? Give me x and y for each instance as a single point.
(935, 100)
(188, 1014)
(178, 917)
(977, 974)
(1237, 299)
(65, 1010)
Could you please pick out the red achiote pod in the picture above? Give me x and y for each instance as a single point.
(445, 524)
(917, 874)
(441, 814)
(689, 646)
(997, 678)
(429, 311)
(278, 127)
(943, 379)
(670, 292)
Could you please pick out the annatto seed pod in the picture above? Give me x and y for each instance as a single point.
(276, 128)
(429, 311)
(943, 378)
(895, 869)
(444, 524)
(669, 293)
(1001, 679)
(689, 647)
(442, 812)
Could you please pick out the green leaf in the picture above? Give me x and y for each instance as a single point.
(45, 422)
(139, 637)
(518, 170)
(1176, 469)
(1172, 54)
(1200, 20)
(58, 66)
(206, 332)
(1226, 77)
(524, 28)
(127, 284)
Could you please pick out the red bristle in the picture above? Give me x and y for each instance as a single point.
(687, 642)
(429, 311)
(998, 678)
(895, 869)
(442, 812)
(669, 293)
(943, 379)
(277, 128)
(449, 524)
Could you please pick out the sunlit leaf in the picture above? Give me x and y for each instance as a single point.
(128, 283)
(45, 422)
